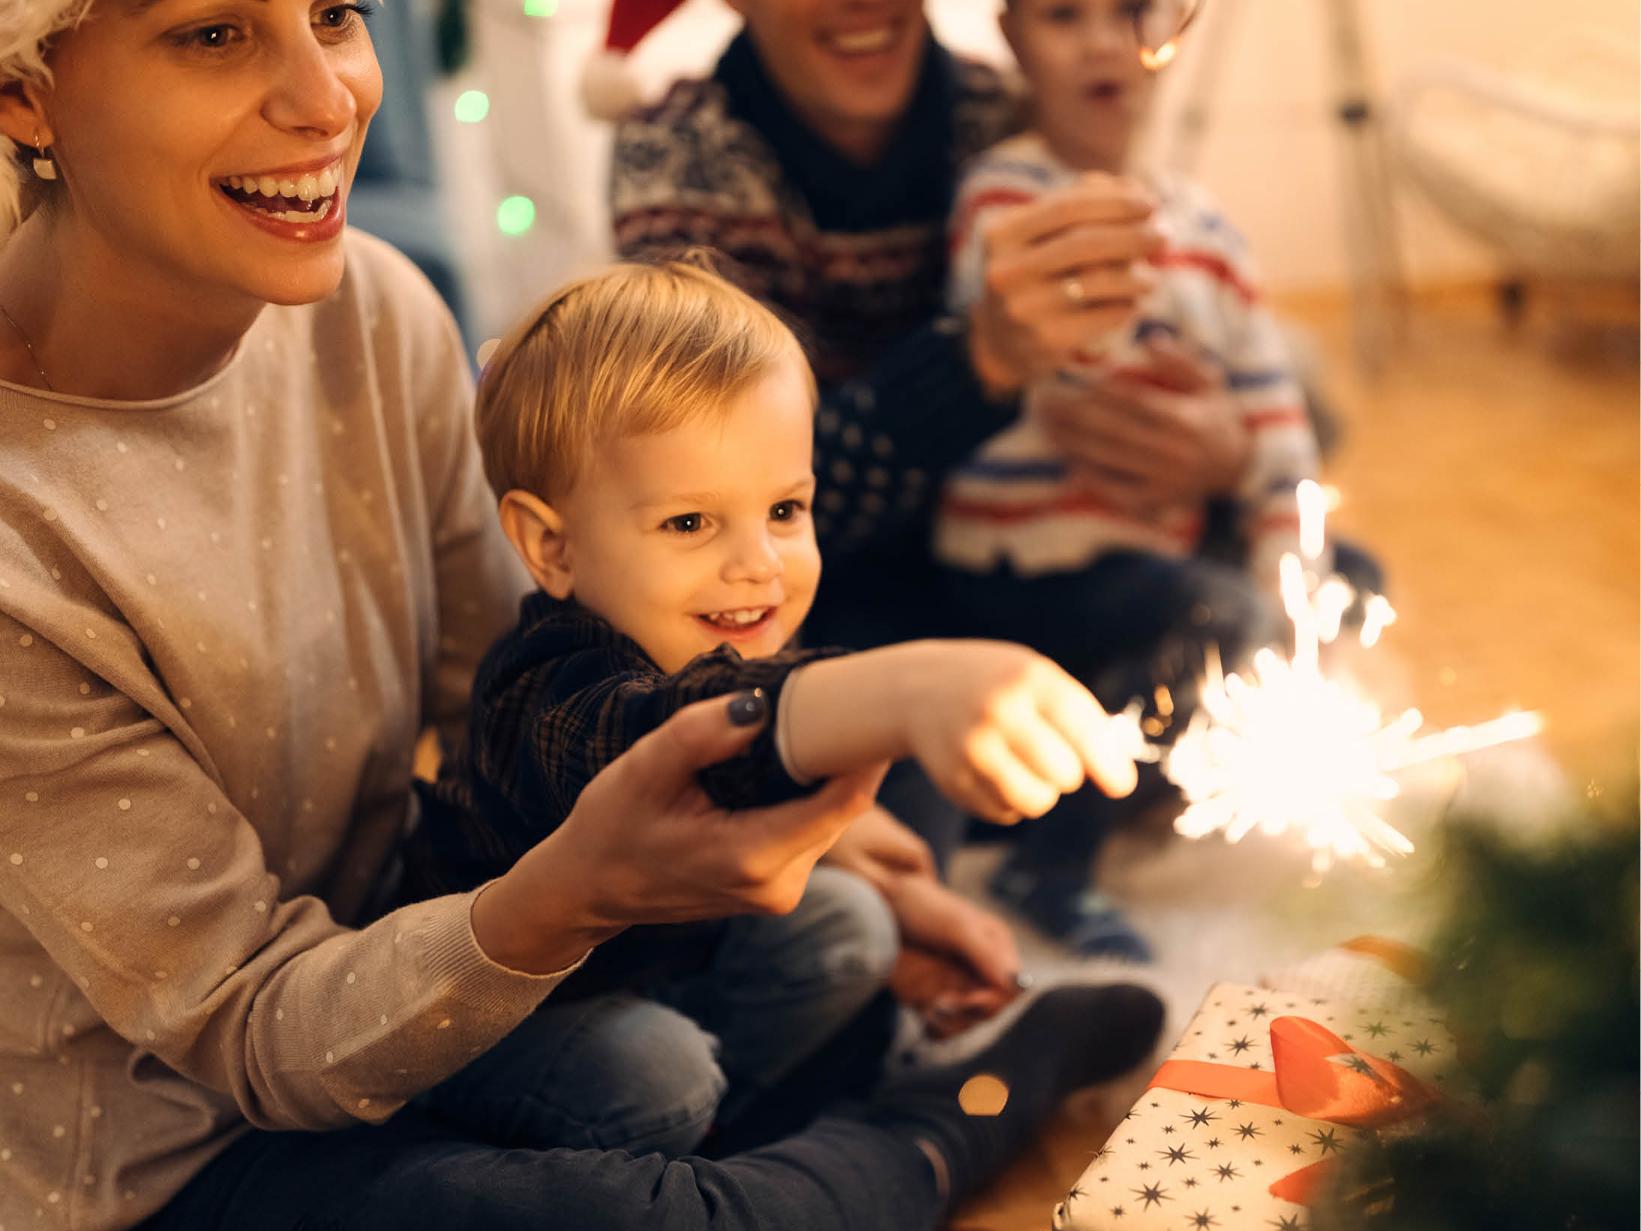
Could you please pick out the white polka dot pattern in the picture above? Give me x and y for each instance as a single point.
(213, 645)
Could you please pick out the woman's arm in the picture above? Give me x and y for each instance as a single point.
(123, 856)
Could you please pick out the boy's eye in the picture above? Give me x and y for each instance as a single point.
(684, 523)
(785, 510)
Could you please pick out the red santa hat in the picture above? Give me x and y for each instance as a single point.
(609, 90)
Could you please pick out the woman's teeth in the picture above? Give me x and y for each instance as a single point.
(863, 42)
(737, 619)
(311, 192)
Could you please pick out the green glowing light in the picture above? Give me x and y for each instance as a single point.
(472, 106)
(540, 8)
(516, 215)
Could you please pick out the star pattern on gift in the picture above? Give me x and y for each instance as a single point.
(1152, 1194)
(1229, 1151)
(1327, 1140)
(1356, 1063)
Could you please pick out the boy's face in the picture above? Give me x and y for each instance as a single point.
(1082, 60)
(692, 537)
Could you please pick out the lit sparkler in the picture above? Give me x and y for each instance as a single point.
(1288, 747)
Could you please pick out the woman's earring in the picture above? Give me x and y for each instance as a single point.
(44, 167)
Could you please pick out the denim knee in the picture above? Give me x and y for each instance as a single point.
(613, 1072)
(842, 933)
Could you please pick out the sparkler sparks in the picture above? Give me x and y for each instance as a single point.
(1288, 747)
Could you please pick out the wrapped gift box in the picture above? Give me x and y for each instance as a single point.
(1264, 1093)
(1364, 970)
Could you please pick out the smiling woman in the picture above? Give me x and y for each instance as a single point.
(144, 206)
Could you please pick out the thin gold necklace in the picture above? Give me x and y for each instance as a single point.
(29, 347)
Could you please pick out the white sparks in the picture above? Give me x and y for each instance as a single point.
(1288, 748)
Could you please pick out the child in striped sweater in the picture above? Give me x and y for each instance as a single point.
(1036, 546)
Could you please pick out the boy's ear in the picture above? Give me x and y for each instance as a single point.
(536, 530)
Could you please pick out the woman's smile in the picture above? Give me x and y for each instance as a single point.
(303, 202)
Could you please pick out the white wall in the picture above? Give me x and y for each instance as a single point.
(1273, 152)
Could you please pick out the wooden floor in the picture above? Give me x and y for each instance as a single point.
(1494, 473)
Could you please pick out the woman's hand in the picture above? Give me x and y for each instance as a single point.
(1175, 438)
(644, 845)
(1061, 272)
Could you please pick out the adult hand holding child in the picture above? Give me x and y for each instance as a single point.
(1170, 438)
(644, 845)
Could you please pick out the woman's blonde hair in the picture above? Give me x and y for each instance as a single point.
(26, 30)
(635, 348)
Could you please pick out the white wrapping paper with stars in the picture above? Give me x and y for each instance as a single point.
(1245, 1120)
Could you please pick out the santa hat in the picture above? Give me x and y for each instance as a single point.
(609, 90)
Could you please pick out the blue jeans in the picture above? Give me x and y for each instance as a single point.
(842, 1173)
(652, 1069)
(571, 1120)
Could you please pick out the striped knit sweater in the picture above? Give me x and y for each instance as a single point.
(1015, 500)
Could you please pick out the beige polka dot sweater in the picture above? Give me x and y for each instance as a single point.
(223, 618)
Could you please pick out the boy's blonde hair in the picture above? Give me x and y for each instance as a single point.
(636, 348)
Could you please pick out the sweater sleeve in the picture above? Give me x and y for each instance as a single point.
(594, 708)
(124, 858)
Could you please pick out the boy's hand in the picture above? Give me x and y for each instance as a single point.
(1002, 730)
(1061, 272)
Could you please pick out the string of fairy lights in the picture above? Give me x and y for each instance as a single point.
(516, 213)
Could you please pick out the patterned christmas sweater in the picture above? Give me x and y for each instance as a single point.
(1015, 499)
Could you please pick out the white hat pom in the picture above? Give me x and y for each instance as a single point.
(609, 87)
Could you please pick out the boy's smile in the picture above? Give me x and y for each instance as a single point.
(700, 535)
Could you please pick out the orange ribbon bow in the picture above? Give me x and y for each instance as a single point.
(1316, 1074)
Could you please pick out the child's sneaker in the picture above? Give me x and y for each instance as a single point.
(1086, 922)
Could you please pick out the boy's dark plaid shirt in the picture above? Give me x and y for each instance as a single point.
(555, 701)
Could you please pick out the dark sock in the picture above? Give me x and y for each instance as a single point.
(1069, 1038)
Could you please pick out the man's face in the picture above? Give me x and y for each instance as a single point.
(846, 67)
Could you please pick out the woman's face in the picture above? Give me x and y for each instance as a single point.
(215, 139)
